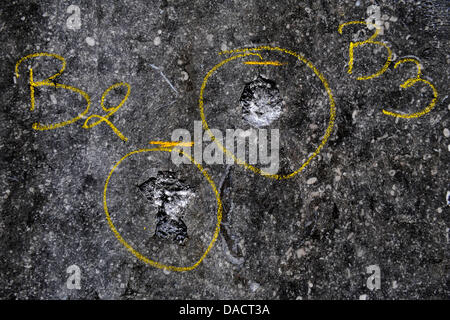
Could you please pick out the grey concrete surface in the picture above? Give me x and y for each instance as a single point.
(376, 195)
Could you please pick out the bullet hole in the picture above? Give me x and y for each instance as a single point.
(261, 102)
(170, 196)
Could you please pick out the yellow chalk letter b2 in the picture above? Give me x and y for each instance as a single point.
(371, 40)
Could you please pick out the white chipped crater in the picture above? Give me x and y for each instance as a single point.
(168, 193)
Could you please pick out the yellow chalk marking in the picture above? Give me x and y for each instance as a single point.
(136, 253)
(241, 50)
(272, 63)
(409, 83)
(354, 45)
(415, 61)
(109, 123)
(167, 144)
(110, 111)
(244, 52)
(38, 126)
(48, 83)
